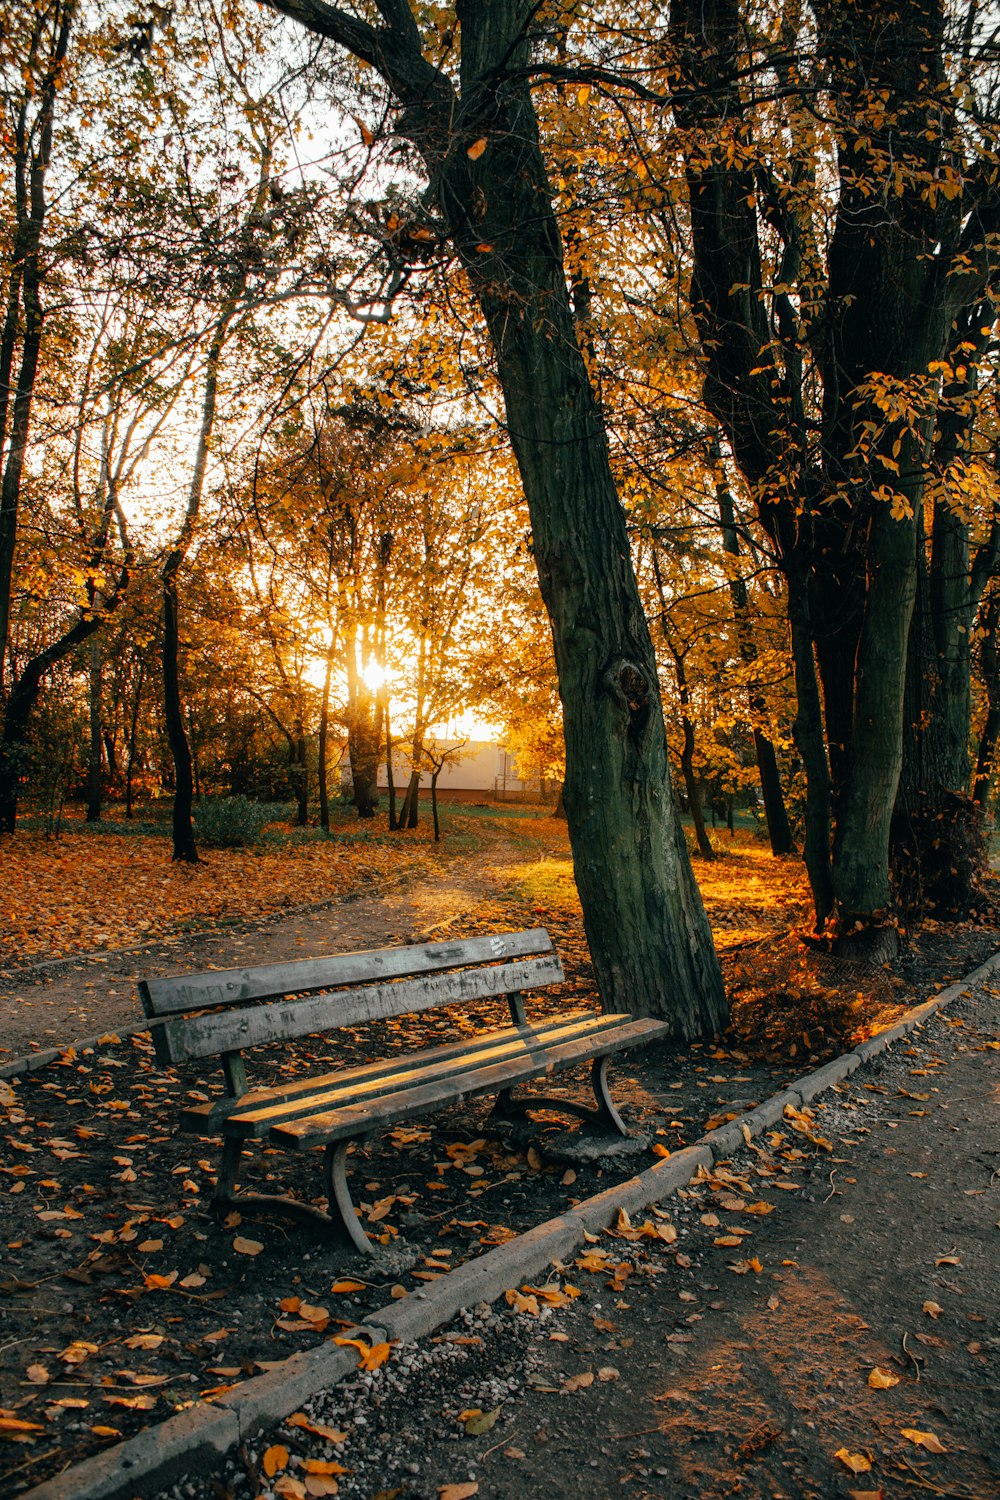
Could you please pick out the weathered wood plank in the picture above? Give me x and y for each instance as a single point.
(411, 1072)
(177, 993)
(208, 1117)
(189, 1037)
(391, 1109)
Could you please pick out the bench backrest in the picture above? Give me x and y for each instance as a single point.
(224, 1010)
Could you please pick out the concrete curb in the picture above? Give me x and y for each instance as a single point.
(162, 1453)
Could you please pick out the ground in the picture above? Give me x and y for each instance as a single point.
(123, 1301)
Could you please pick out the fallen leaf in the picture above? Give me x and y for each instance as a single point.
(348, 1286)
(882, 1380)
(856, 1462)
(579, 1382)
(458, 1491)
(932, 1309)
(275, 1459)
(247, 1247)
(476, 1422)
(924, 1439)
(38, 1375)
(477, 148)
(319, 1429)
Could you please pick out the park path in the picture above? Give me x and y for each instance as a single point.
(706, 1378)
(61, 1002)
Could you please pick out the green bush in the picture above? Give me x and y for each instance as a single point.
(231, 822)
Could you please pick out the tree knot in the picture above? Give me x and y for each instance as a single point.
(628, 685)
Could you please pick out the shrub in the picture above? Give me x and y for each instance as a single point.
(231, 822)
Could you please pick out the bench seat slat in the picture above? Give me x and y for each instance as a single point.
(188, 1037)
(368, 1085)
(357, 1119)
(209, 1117)
(177, 993)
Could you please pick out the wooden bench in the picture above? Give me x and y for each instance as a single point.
(221, 1013)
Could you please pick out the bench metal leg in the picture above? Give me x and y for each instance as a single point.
(341, 1217)
(604, 1118)
(339, 1196)
(607, 1115)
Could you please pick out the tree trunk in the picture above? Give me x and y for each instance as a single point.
(807, 730)
(133, 733)
(14, 742)
(409, 812)
(184, 847)
(778, 827)
(647, 930)
(299, 773)
(364, 744)
(861, 863)
(321, 750)
(94, 758)
(434, 803)
(687, 766)
(390, 783)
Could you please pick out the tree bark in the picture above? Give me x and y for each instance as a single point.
(184, 847)
(778, 827)
(94, 759)
(646, 926)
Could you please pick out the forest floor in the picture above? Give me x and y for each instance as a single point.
(122, 1301)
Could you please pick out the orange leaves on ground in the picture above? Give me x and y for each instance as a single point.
(83, 892)
(882, 1380)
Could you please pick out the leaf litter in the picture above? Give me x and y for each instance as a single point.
(115, 1206)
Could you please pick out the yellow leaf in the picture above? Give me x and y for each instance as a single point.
(275, 1459)
(932, 1309)
(477, 148)
(290, 1488)
(320, 1429)
(476, 1422)
(345, 1286)
(247, 1247)
(376, 1356)
(323, 1466)
(924, 1439)
(882, 1380)
(458, 1491)
(856, 1462)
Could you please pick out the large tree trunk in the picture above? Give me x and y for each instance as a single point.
(649, 938)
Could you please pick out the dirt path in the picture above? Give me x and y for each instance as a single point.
(695, 1380)
(61, 1002)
